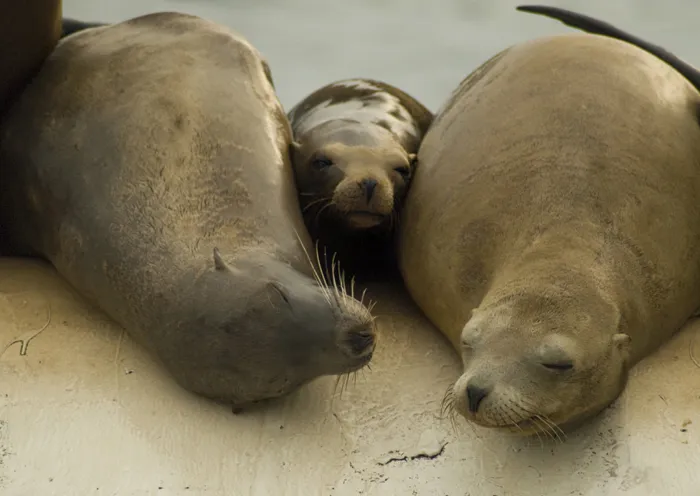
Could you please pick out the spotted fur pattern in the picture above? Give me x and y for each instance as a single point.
(367, 102)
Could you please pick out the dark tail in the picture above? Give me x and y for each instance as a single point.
(594, 26)
(71, 26)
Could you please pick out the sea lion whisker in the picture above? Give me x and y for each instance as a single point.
(320, 211)
(512, 421)
(561, 435)
(362, 298)
(313, 203)
(333, 276)
(316, 275)
(322, 272)
(692, 349)
(447, 402)
(346, 382)
(334, 265)
(540, 430)
(550, 427)
(547, 421)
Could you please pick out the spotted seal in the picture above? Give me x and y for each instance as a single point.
(353, 155)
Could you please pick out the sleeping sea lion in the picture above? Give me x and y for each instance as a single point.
(159, 185)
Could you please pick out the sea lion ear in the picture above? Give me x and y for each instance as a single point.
(413, 159)
(219, 263)
(622, 342)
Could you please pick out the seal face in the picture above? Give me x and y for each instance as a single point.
(161, 189)
(556, 247)
(353, 155)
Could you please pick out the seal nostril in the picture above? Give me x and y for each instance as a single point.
(475, 396)
(368, 185)
(360, 341)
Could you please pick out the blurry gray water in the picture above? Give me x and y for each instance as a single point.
(424, 47)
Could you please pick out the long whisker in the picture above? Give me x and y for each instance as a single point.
(312, 203)
(538, 431)
(316, 274)
(556, 430)
(320, 211)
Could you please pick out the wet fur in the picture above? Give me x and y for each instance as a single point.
(558, 247)
(160, 187)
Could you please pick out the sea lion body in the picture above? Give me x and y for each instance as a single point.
(552, 229)
(353, 155)
(29, 30)
(160, 188)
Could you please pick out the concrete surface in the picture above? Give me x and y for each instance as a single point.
(84, 411)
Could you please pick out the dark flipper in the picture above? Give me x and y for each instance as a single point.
(71, 26)
(594, 26)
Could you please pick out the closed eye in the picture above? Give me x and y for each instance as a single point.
(403, 171)
(559, 367)
(321, 162)
(281, 292)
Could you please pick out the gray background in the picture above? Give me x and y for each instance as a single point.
(424, 47)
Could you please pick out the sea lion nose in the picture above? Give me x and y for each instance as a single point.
(475, 395)
(368, 185)
(360, 340)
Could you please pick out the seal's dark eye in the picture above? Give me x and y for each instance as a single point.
(321, 163)
(404, 171)
(559, 366)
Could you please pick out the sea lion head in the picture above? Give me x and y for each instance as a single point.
(352, 173)
(537, 363)
(265, 328)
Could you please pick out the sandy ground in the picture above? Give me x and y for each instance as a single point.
(83, 411)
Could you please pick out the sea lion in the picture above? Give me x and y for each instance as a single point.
(70, 26)
(557, 247)
(595, 26)
(29, 30)
(353, 154)
(160, 187)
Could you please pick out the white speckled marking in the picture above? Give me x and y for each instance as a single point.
(379, 110)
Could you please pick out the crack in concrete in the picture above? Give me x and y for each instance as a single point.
(419, 456)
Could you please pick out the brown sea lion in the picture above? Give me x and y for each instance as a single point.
(353, 155)
(552, 229)
(159, 186)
